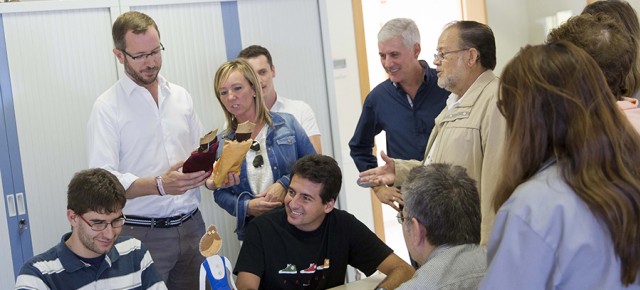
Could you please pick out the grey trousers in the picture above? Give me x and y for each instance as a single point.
(174, 251)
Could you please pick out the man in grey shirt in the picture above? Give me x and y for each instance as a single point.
(441, 227)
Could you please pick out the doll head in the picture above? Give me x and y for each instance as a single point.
(211, 242)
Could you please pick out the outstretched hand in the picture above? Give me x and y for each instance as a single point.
(382, 175)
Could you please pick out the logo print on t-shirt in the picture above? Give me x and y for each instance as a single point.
(325, 265)
(310, 270)
(289, 269)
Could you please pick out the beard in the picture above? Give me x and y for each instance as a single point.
(89, 243)
(138, 77)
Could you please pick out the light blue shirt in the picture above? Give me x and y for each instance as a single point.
(545, 237)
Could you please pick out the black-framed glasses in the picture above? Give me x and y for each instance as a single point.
(440, 55)
(102, 225)
(143, 56)
(258, 161)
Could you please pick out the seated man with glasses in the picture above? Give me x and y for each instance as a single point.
(441, 227)
(93, 255)
(278, 141)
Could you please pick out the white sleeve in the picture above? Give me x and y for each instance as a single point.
(103, 142)
(308, 120)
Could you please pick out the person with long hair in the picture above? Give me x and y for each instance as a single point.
(627, 17)
(568, 202)
(279, 141)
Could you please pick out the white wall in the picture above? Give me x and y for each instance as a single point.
(348, 106)
(505, 17)
(516, 23)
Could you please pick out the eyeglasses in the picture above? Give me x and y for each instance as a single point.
(440, 55)
(258, 161)
(143, 56)
(402, 218)
(102, 225)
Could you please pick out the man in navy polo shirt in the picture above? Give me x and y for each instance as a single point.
(404, 106)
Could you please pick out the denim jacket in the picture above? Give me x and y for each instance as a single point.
(286, 142)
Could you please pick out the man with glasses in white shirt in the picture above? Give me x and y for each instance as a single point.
(93, 255)
(141, 130)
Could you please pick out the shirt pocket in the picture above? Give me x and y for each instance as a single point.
(286, 153)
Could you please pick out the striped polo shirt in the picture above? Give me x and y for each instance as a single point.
(128, 265)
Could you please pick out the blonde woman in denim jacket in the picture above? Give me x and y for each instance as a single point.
(279, 141)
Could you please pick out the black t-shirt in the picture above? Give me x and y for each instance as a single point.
(285, 257)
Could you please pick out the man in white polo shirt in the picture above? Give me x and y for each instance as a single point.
(261, 61)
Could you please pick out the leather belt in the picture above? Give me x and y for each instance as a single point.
(167, 222)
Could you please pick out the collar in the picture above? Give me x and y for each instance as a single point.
(277, 119)
(426, 77)
(475, 90)
(128, 85)
(627, 103)
(277, 104)
(437, 251)
(71, 263)
(546, 164)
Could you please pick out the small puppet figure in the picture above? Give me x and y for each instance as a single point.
(214, 268)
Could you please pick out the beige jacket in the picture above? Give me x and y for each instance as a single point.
(470, 135)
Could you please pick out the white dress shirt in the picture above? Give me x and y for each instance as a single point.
(300, 110)
(132, 137)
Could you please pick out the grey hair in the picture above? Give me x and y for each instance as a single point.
(404, 27)
(444, 199)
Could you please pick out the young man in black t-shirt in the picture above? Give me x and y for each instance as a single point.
(309, 243)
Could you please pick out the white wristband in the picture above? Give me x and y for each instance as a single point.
(159, 184)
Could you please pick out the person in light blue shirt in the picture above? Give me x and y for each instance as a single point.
(569, 196)
(441, 227)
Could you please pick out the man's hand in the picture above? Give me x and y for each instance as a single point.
(389, 195)
(259, 205)
(274, 192)
(175, 182)
(383, 175)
